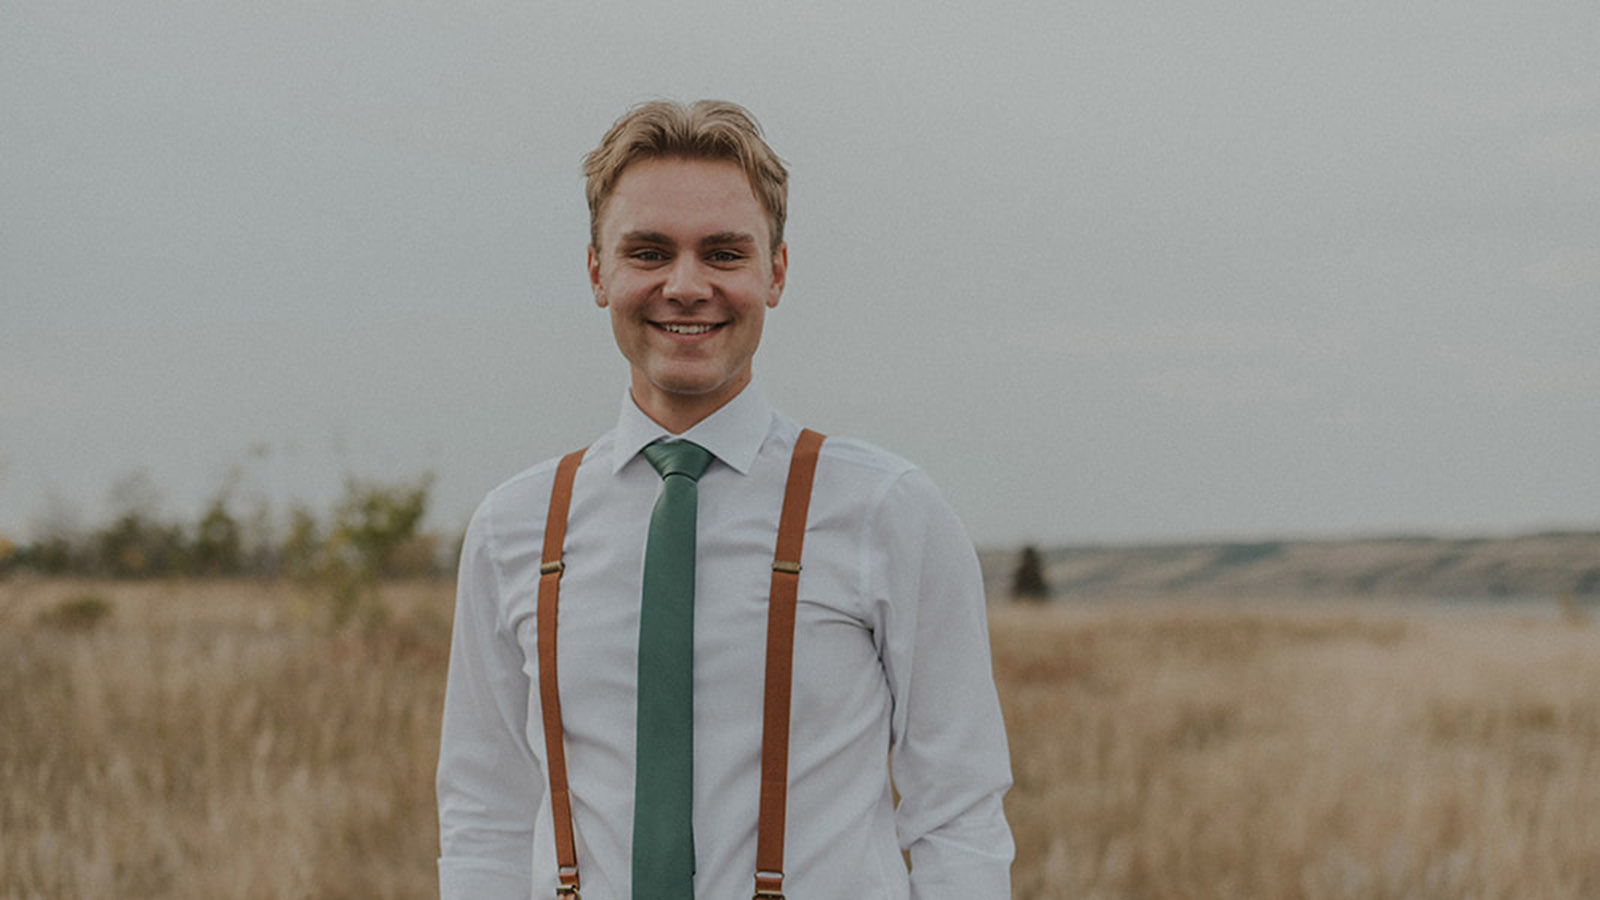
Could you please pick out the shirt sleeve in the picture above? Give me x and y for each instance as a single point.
(950, 762)
(488, 781)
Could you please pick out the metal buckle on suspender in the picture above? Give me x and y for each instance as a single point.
(783, 565)
(552, 567)
(567, 889)
(772, 893)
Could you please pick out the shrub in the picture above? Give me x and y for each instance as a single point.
(80, 612)
(218, 542)
(376, 520)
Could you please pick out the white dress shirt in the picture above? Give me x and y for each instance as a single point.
(891, 654)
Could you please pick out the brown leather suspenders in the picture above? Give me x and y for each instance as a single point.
(780, 669)
(780, 666)
(555, 535)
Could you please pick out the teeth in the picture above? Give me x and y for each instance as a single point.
(687, 329)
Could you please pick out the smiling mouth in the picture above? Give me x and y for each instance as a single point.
(688, 328)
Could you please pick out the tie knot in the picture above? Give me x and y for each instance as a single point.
(678, 458)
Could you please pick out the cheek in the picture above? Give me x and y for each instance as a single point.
(624, 331)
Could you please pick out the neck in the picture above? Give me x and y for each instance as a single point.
(678, 417)
(678, 413)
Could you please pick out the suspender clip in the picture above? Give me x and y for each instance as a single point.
(783, 565)
(769, 885)
(552, 567)
(568, 888)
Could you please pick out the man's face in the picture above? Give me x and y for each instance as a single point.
(685, 266)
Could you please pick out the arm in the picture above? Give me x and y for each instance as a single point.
(488, 782)
(951, 765)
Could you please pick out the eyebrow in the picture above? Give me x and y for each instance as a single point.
(724, 238)
(720, 239)
(644, 237)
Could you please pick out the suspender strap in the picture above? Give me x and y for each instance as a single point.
(780, 667)
(550, 569)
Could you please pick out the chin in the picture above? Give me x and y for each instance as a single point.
(691, 381)
(692, 385)
(688, 389)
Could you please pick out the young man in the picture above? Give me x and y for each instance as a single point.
(635, 772)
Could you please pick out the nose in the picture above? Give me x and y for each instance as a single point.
(686, 281)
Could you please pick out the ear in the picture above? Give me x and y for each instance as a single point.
(780, 271)
(593, 260)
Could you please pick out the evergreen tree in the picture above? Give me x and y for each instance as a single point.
(1028, 582)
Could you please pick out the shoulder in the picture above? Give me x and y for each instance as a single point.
(875, 480)
(521, 500)
(855, 455)
(529, 485)
(842, 455)
(892, 516)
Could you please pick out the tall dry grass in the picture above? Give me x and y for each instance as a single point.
(217, 740)
(1341, 752)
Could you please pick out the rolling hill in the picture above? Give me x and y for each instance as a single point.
(1531, 566)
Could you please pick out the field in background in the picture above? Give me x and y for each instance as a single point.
(216, 739)
(1305, 753)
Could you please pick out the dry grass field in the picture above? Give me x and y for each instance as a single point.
(206, 740)
(1322, 753)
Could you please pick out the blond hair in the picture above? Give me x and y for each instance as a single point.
(705, 129)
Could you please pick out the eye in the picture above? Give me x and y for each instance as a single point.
(648, 254)
(725, 257)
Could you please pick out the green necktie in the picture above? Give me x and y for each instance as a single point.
(663, 836)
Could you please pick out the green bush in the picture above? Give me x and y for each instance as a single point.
(80, 612)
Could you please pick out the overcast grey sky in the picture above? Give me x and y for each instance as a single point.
(1109, 270)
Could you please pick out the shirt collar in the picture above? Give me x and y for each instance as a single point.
(733, 434)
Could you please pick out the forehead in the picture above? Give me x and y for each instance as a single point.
(683, 197)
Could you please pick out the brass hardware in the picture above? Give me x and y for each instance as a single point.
(783, 565)
(547, 568)
(772, 893)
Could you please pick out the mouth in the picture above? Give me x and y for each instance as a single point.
(688, 328)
